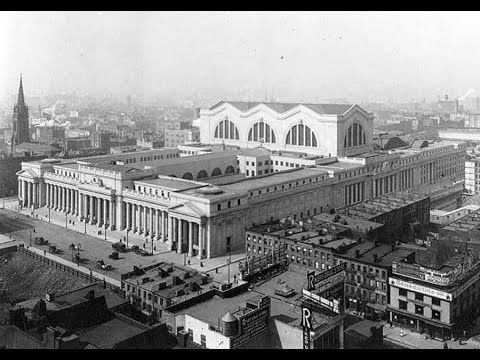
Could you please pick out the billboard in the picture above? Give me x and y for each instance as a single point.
(253, 324)
(324, 276)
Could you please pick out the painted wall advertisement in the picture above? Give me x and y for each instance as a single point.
(252, 325)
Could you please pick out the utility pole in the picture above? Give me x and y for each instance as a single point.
(228, 263)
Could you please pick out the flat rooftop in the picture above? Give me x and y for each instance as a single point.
(171, 183)
(76, 297)
(385, 254)
(107, 334)
(151, 279)
(353, 223)
(270, 180)
(211, 310)
(287, 310)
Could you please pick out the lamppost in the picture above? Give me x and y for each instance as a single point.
(49, 214)
(127, 238)
(228, 263)
(105, 231)
(65, 220)
(85, 220)
(30, 237)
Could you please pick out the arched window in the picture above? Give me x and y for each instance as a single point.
(301, 135)
(216, 172)
(355, 136)
(262, 132)
(230, 170)
(202, 174)
(226, 130)
(187, 176)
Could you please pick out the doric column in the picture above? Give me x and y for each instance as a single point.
(170, 236)
(162, 227)
(35, 202)
(19, 189)
(118, 218)
(128, 222)
(190, 238)
(105, 212)
(137, 218)
(28, 195)
(67, 198)
(152, 222)
(99, 211)
(77, 204)
(92, 213)
(180, 236)
(200, 241)
(145, 221)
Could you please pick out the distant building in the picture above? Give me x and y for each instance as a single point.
(21, 125)
(33, 149)
(443, 218)
(101, 140)
(447, 106)
(176, 137)
(47, 134)
(9, 166)
(472, 172)
(399, 212)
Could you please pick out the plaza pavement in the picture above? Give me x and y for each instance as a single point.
(66, 230)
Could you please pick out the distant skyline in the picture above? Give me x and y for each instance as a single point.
(290, 56)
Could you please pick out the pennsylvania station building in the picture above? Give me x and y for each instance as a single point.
(259, 162)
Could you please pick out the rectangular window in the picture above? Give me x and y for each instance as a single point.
(402, 292)
(219, 207)
(323, 266)
(418, 309)
(418, 296)
(435, 301)
(435, 314)
(402, 305)
(203, 341)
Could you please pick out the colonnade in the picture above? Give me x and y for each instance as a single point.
(182, 234)
(28, 193)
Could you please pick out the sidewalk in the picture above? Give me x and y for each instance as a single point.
(414, 340)
(216, 267)
(113, 236)
(73, 265)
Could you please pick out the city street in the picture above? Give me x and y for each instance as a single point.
(64, 230)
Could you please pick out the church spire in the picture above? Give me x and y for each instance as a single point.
(21, 98)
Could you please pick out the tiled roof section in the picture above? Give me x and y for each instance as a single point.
(322, 109)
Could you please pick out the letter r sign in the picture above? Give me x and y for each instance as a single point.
(306, 318)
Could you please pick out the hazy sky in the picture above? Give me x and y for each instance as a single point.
(290, 55)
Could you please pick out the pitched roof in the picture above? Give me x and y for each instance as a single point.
(322, 109)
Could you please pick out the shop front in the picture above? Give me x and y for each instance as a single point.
(430, 328)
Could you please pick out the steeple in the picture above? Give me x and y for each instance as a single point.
(21, 125)
(21, 98)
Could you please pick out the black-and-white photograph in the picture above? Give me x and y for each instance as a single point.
(239, 180)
